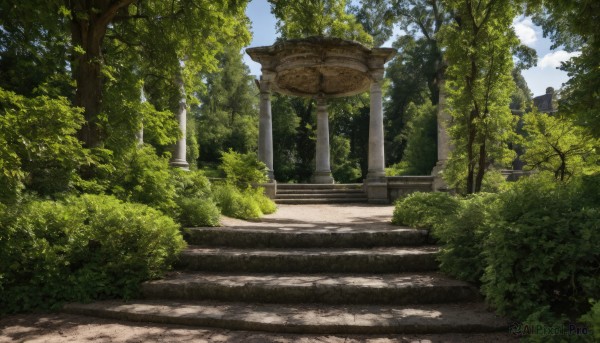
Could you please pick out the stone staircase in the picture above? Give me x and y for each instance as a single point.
(320, 279)
(302, 193)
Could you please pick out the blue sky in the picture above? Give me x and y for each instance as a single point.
(538, 78)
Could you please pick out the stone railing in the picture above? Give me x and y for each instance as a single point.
(399, 186)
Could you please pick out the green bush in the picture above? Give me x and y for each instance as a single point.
(463, 236)
(198, 212)
(195, 206)
(243, 170)
(266, 205)
(235, 203)
(424, 210)
(190, 184)
(38, 147)
(83, 248)
(543, 248)
(142, 176)
(250, 203)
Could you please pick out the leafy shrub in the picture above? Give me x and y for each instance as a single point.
(250, 203)
(266, 205)
(243, 170)
(38, 147)
(463, 236)
(424, 210)
(195, 206)
(190, 184)
(198, 212)
(142, 176)
(543, 248)
(83, 248)
(235, 203)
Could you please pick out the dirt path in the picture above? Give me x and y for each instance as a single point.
(62, 328)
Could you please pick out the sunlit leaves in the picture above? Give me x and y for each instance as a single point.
(556, 144)
(329, 18)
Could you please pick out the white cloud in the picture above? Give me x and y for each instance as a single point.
(553, 59)
(524, 28)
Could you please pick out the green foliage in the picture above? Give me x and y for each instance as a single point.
(532, 246)
(305, 18)
(228, 117)
(142, 176)
(424, 210)
(243, 170)
(235, 203)
(574, 26)
(542, 248)
(554, 143)
(412, 73)
(421, 134)
(85, 248)
(463, 234)
(373, 16)
(266, 205)
(198, 212)
(343, 168)
(38, 149)
(189, 184)
(479, 85)
(592, 319)
(193, 197)
(285, 132)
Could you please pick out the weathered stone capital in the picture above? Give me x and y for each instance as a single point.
(266, 81)
(377, 75)
(321, 101)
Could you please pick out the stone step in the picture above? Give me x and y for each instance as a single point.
(296, 201)
(360, 195)
(291, 186)
(425, 288)
(320, 191)
(376, 260)
(340, 236)
(303, 319)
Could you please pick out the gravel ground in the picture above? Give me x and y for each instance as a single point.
(62, 328)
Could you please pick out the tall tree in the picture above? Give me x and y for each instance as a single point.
(305, 18)
(228, 115)
(375, 18)
(410, 73)
(478, 47)
(164, 33)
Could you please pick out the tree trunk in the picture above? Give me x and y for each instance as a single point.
(482, 164)
(471, 154)
(89, 93)
(90, 20)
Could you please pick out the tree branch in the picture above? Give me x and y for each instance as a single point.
(111, 12)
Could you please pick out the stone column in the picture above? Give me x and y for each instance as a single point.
(265, 127)
(323, 168)
(443, 142)
(139, 135)
(179, 154)
(376, 182)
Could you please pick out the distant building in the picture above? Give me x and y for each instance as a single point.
(544, 102)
